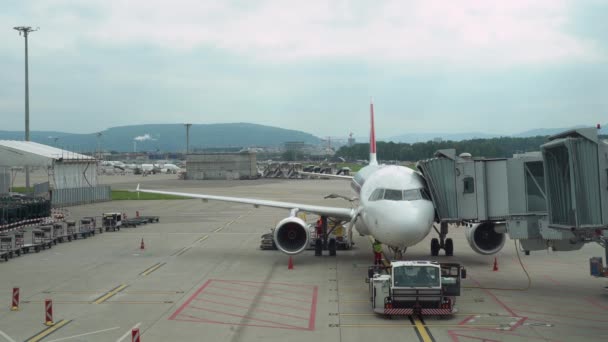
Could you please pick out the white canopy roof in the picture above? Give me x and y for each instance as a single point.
(28, 153)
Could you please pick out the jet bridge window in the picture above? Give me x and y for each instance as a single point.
(469, 185)
(535, 186)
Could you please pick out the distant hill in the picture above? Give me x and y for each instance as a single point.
(424, 137)
(169, 137)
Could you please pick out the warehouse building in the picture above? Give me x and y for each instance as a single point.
(242, 165)
(72, 177)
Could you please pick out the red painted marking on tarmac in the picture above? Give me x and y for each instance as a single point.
(565, 316)
(557, 308)
(252, 300)
(246, 317)
(594, 302)
(269, 288)
(313, 309)
(464, 321)
(454, 334)
(202, 320)
(261, 294)
(257, 310)
(455, 338)
(187, 302)
(501, 303)
(552, 280)
(262, 283)
(519, 323)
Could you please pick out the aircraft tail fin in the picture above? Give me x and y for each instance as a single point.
(372, 136)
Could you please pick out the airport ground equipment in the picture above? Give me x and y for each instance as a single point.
(70, 227)
(415, 288)
(150, 219)
(133, 222)
(87, 227)
(19, 210)
(555, 198)
(48, 234)
(59, 232)
(268, 241)
(38, 242)
(112, 221)
(6, 246)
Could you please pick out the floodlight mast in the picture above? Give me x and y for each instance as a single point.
(25, 31)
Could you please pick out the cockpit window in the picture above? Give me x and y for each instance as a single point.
(412, 195)
(398, 195)
(393, 195)
(377, 195)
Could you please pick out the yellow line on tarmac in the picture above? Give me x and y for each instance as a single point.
(110, 294)
(152, 269)
(422, 331)
(46, 332)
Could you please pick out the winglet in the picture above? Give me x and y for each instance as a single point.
(137, 187)
(372, 135)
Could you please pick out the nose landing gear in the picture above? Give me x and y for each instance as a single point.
(442, 243)
(398, 252)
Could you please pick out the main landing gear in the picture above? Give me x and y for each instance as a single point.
(442, 243)
(324, 242)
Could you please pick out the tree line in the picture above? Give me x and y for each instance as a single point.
(502, 147)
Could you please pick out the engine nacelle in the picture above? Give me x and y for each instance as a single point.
(484, 238)
(292, 236)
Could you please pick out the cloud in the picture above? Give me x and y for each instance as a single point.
(468, 32)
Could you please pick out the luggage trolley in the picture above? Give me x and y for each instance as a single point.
(71, 230)
(58, 232)
(6, 246)
(112, 221)
(48, 234)
(18, 241)
(38, 242)
(86, 227)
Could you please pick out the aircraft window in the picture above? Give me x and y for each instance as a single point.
(412, 195)
(393, 195)
(376, 195)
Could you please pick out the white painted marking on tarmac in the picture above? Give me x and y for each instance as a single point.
(128, 333)
(8, 338)
(85, 334)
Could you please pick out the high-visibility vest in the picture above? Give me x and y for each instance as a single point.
(378, 247)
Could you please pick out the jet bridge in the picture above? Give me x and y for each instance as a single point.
(556, 198)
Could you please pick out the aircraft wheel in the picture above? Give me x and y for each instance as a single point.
(449, 247)
(435, 247)
(332, 247)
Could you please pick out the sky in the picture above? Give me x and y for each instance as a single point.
(499, 67)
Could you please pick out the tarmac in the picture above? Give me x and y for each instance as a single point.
(202, 277)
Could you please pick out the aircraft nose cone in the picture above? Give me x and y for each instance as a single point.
(402, 227)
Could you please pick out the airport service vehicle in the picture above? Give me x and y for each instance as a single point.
(112, 221)
(415, 288)
(393, 207)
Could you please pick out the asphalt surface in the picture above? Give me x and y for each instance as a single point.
(202, 277)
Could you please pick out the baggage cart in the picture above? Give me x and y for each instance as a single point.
(71, 230)
(59, 233)
(112, 221)
(86, 227)
(6, 246)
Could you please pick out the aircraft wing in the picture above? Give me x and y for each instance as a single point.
(326, 175)
(340, 213)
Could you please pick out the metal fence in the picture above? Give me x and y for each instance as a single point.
(77, 196)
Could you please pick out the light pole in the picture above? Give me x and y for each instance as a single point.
(188, 125)
(25, 30)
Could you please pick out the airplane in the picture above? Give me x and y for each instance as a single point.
(394, 208)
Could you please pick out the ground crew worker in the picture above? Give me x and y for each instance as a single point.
(377, 252)
(319, 228)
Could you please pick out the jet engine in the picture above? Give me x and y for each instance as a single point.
(292, 236)
(485, 238)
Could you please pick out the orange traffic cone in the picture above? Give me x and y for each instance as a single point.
(290, 264)
(495, 268)
(141, 246)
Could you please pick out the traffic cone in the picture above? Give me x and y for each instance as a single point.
(290, 264)
(141, 246)
(495, 268)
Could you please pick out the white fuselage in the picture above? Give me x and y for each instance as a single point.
(393, 205)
